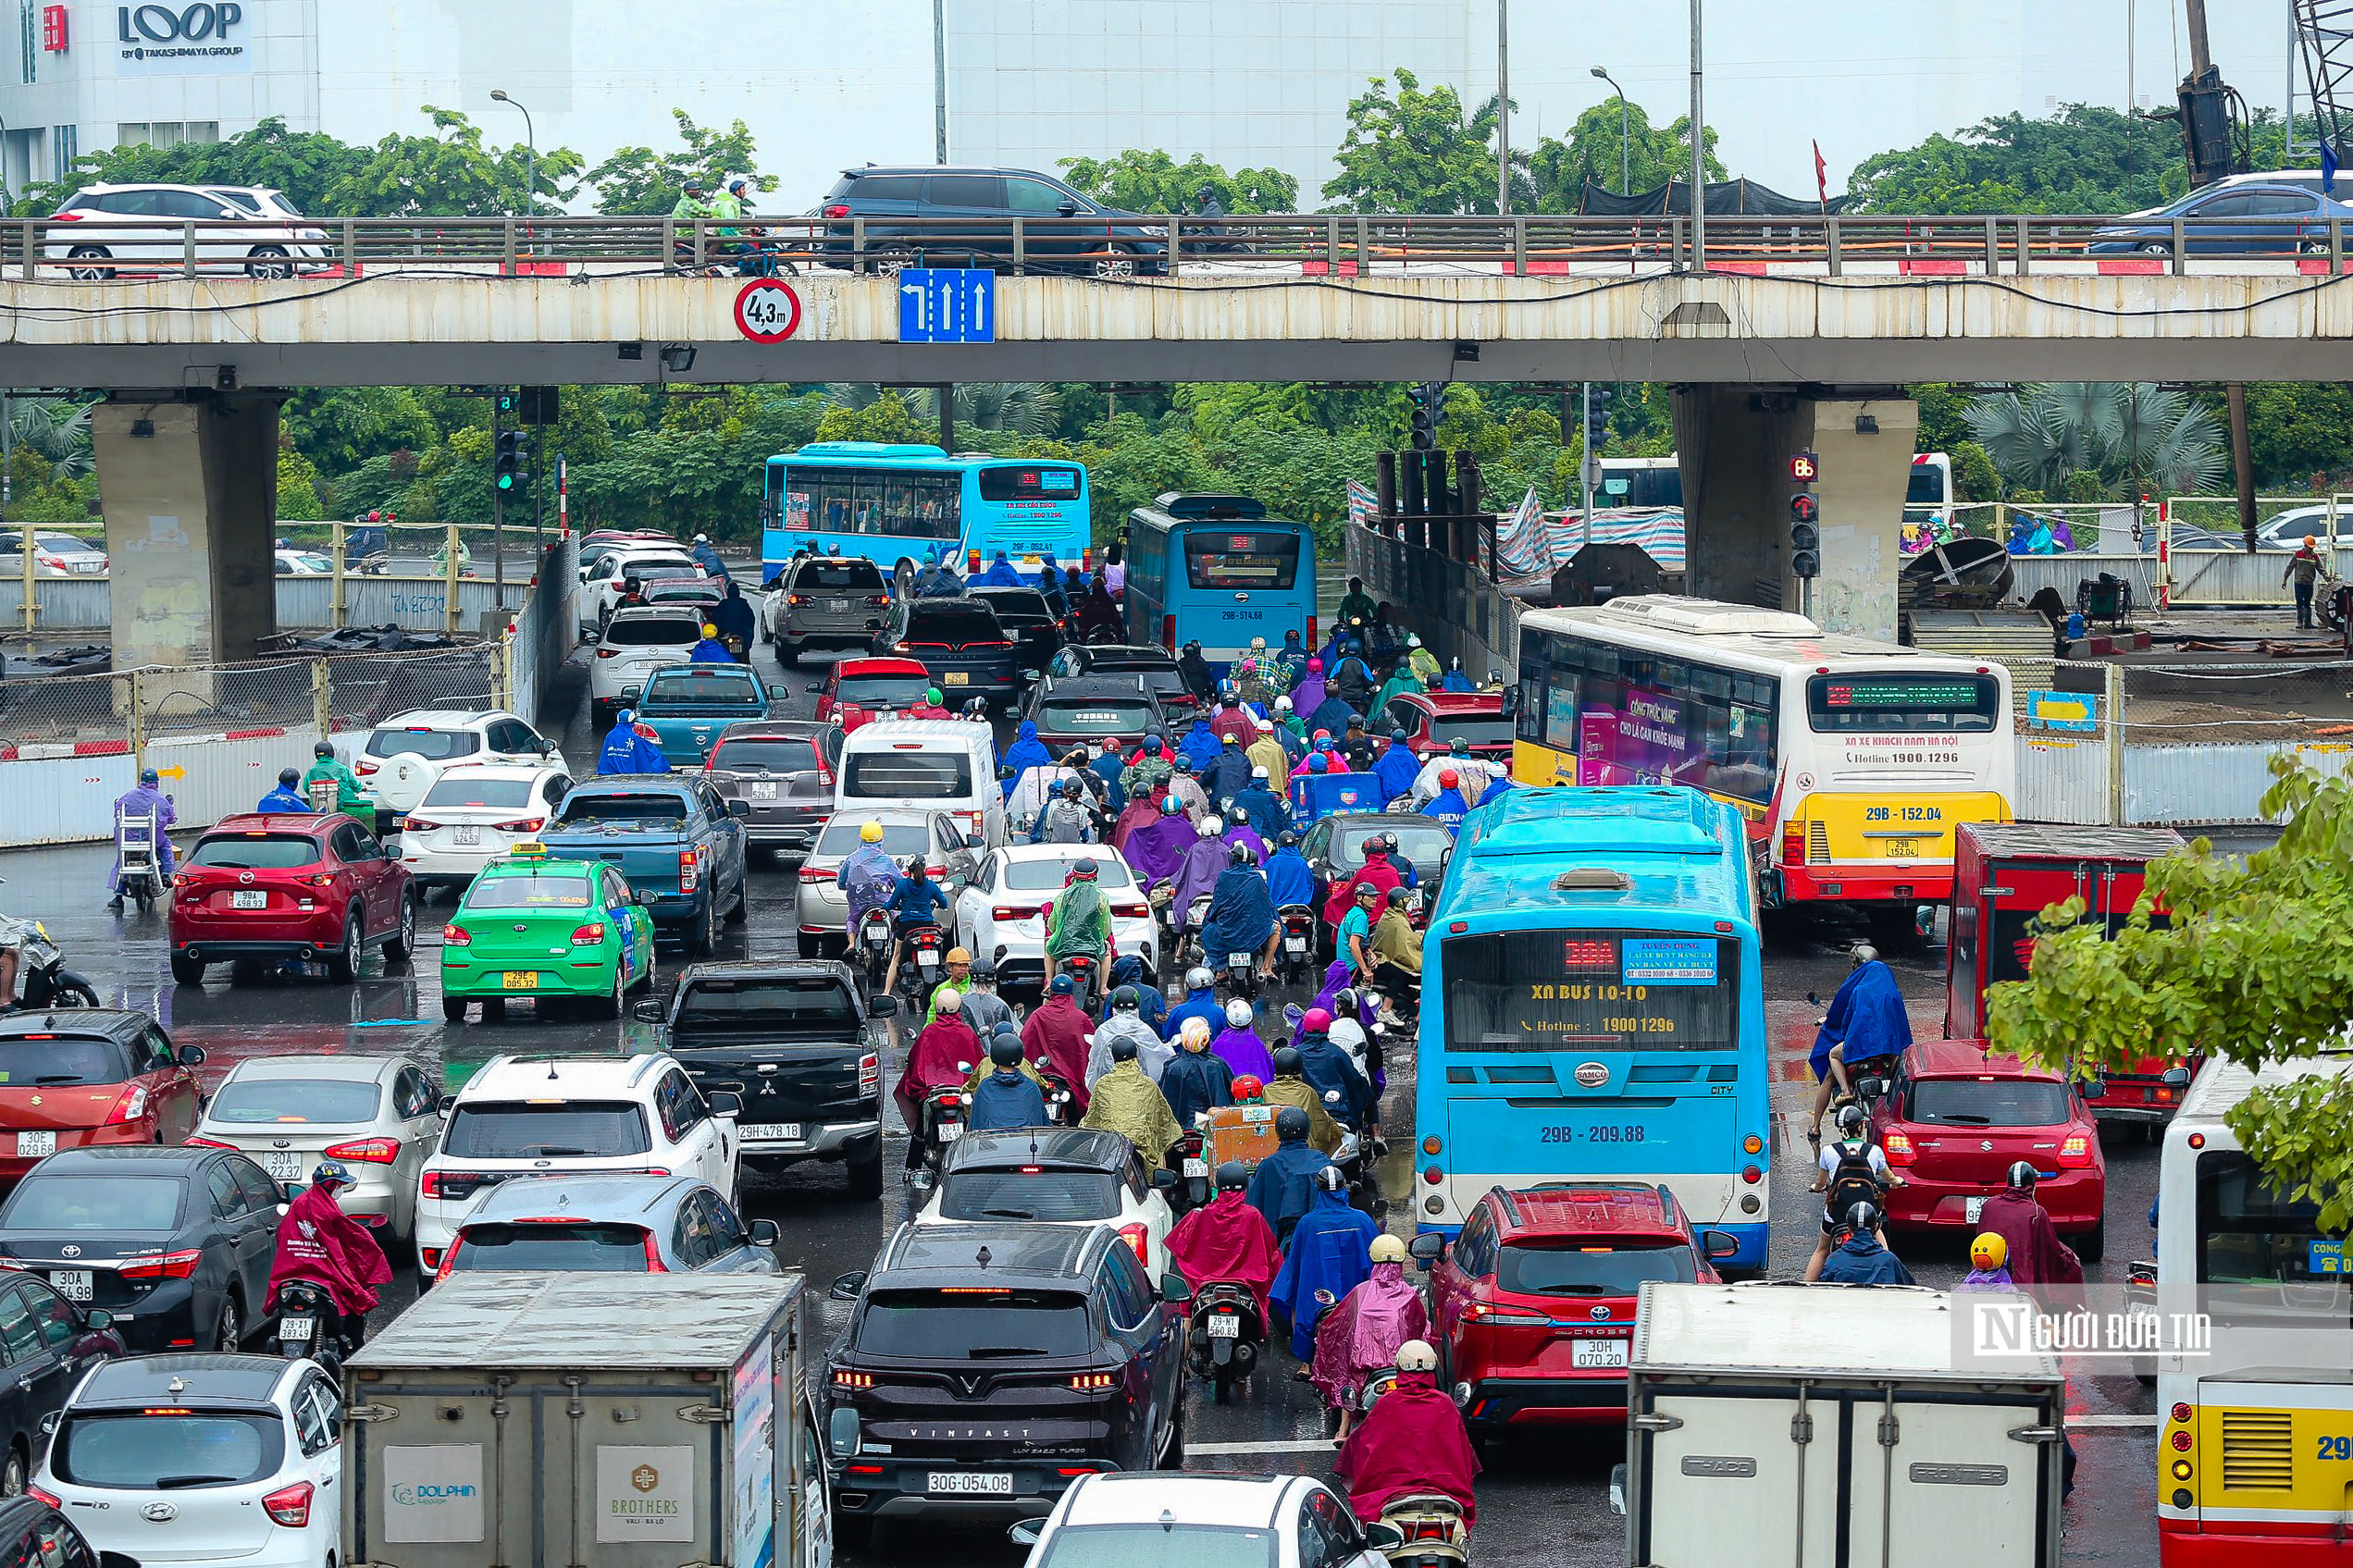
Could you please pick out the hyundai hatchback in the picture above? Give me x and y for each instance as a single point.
(1533, 1304)
(1956, 1119)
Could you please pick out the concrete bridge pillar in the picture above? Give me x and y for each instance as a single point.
(189, 484)
(1735, 443)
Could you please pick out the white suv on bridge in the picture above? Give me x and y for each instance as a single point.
(247, 230)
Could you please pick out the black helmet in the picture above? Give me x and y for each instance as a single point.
(1286, 1065)
(289, 777)
(1286, 839)
(1851, 1118)
(1005, 1050)
(2022, 1177)
(1864, 1217)
(321, 748)
(1237, 853)
(1233, 1176)
(1344, 1002)
(1123, 1049)
(982, 974)
(1291, 1125)
(1332, 1179)
(1125, 996)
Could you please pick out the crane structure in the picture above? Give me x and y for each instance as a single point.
(2325, 40)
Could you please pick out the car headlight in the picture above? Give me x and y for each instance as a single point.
(1157, 231)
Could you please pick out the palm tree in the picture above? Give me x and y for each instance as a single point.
(1023, 408)
(2125, 432)
(58, 429)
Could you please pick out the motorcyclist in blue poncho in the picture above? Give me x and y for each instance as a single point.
(628, 750)
(1866, 1019)
(1285, 1181)
(1327, 1253)
(1008, 1098)
(1241, 917)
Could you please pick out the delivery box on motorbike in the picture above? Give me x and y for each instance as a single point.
(1242, 1133)
(514, 1417)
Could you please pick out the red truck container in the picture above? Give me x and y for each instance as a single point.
(2006, 873)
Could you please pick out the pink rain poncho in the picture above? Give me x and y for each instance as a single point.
(1361, 1335)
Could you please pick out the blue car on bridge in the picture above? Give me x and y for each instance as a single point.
(2227, 220)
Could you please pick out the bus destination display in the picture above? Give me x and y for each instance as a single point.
(1528, 991)
(1901, 692)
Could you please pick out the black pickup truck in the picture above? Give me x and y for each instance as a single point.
(797, 1043)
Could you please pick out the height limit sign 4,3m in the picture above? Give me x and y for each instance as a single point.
(947, 304)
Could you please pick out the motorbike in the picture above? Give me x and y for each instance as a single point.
(1057, 1094)
(1195, 915)
(1080, 967)
(945, 1111)
(138, 843)
(43, 981)
(1421, 1530)
(1869, 1076)
(1192, 1167)
(307, 1324)
(1240, 971)
(1298, 957)
(923, 948)
(1226, 1335)
(873, 942)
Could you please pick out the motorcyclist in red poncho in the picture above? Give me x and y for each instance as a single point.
(317, 1241)
(1226, 1239)
(1411, 1440)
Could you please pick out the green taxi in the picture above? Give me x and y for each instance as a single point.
(533, 926)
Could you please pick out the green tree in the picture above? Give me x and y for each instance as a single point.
(2254, 964)
(298, 497)
(2085, 158)
(305, 166)
(2041, 437)
(450, 173)
(2296, 432)
(1411, 151)
(888, 418)
(1654, 155)
(639, 181)
(56, 431)
(1155, 182)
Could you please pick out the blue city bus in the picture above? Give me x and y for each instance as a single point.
(1592, 1008)
(894, 504)
(1219, 571)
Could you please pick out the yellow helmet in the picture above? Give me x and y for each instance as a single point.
(958, 956)
(1387, 1249)
(1988, 1252)
(871, 833)
(709, 630)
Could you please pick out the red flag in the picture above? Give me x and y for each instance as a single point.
(1821, 176)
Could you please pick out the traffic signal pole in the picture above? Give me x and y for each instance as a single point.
(498, 512)
(1585, 468)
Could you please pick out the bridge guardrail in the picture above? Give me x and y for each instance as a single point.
(1320, 244)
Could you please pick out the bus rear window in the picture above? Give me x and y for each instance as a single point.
(906, 775)
(1587, 990)
(1867, 702)
(1043, 482)
(1223, 558)
(2251, 1233)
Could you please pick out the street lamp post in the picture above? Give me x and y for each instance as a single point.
(1625, 134)
(1699, 152)
(530, 153)
(1503, 108)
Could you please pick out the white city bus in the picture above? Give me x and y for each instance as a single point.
(1853, 760)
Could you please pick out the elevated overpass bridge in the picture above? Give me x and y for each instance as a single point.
(1781, 335)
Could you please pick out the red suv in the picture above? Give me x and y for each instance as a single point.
(289, 885)
(1433, 719)
(1533, 1304)
(1953, 1122)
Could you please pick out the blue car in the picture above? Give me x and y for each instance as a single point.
(2230, 220)
(689, 706)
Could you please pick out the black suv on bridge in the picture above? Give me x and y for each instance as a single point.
(987, 1366)
(941, 216)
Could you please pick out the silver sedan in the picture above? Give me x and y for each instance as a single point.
(379, 1115)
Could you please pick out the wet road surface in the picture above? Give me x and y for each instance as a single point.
(1543, 1500)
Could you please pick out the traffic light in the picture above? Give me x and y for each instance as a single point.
(507, 406)
(1597, 421)
(1430, 410)
(1805, 514)
(509, 466)
(541, 405)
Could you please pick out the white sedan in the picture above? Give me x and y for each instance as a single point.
(1072, 1176)
(1000, 913)
(477, 814)
(1277, 1520)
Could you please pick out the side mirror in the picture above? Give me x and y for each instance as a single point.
(1719, 1244)
(590, 639)
(1617, 1488)
(1174, 1291)
(2174, 1078)
(1429, 1246)
(289, 1191)
(1164, 1181)
(189, 1055)
(739, 806)
(2094, 1088)
(841, 1431)
(1024, 1534)
(1332, 1096)
(764, 1233)
(816, 688)
(284, 1209)
(974, 841)
(1326, 1298)
(1871, 1087)
(95, 1318)
(1067, 209)
(49, 1421)
(883, 1007)
(647, 1012)
(725, 1104)
(645, 897)
(445, 1104)
(1383, 1538)
(847, 1285)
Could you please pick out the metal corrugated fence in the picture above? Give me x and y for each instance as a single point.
(417, 604)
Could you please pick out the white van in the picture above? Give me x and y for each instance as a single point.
(945, 765)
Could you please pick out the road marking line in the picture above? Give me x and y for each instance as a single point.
(1287, 1445)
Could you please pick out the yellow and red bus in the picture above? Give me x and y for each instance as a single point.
(1852, 760)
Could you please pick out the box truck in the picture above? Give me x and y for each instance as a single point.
(556, 1420)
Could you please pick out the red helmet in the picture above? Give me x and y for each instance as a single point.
(1448, 778)
(1248, 1089)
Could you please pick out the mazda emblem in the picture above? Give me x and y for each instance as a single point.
(242, 876)
(70, 1250)
(1598, 1312)
(1592, 1075)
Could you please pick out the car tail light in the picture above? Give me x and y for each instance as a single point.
(437, 1183)
(653, 1256)
(837, 209)
(430, 1257)
(367, 1150)
(1793, 843)
(1897, 1146)
(853, 1380)
(52, 1499)
(524, 824)
(1135, 910)
(690, 869)
(367, 766)
(936, 873)
(1505, 1318)
(456, 936)
(810, 873)
(1137, 1237)
(204, 1143)
(417, 824)
(870, 1074)
(589, 935)
(130, 1106)
(169, 1265)
(796, 600)
(449, 1259)
(1010, 912)
(2075, 1152)
(1086, 1381)
(290, 1506)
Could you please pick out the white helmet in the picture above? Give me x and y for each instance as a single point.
(1387, 1249)
(1198, 978)
(1415, 1355)
(1238, 1014)
(1212, 825)
(1283, 705)
(949, 1001)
